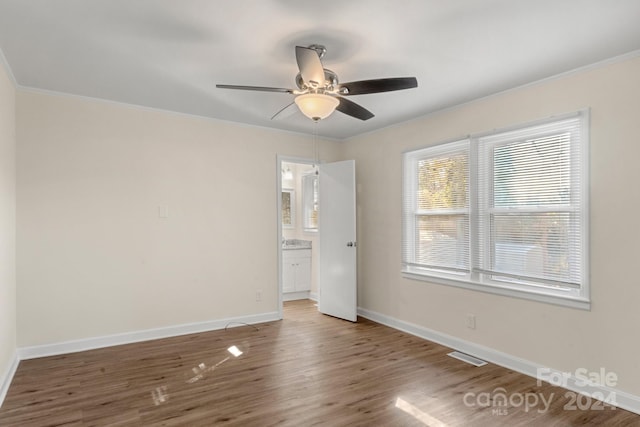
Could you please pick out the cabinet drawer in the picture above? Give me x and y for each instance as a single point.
(296, 253)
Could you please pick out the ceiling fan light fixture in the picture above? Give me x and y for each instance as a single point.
(316, 106)
(318, 93)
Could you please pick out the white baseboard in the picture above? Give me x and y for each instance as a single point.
(294, 296)
(623, 399)
(7, 377)
(54, 349)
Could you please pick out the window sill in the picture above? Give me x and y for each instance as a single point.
(545, 297)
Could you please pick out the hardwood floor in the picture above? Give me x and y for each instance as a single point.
(306, 370)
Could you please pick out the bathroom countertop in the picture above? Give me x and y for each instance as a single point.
(295, 244)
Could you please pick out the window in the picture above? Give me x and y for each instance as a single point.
(310, 202)
(439, 239)
(504, 212)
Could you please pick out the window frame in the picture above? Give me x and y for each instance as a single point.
(476, 278)
(412, 221)
(309, 200)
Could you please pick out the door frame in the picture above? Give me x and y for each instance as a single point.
(279, 160)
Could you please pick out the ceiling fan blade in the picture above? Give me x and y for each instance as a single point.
(352, 109)
(363, 87)
(258, 88)
(285, 111)
(310, 66)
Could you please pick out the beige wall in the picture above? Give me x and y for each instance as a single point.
(95, 259)
(7, 223)
(553, 336)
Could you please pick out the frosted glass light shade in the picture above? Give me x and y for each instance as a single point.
(316, 106)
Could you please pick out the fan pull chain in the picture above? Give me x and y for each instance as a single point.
(316, 148)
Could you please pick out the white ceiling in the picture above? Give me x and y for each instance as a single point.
(170, 54)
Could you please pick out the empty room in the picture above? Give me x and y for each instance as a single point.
(268, 212)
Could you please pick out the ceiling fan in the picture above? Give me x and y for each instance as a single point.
(319, 93)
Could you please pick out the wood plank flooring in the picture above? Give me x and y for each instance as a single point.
(307, 370)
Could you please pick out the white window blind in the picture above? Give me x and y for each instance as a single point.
(505, 210)
(530, 216)
(437, 208)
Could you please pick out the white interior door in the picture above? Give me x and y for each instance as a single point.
(337, 228)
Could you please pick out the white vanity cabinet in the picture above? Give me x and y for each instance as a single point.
(296, 270)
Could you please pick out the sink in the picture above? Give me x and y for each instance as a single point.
(289, 244)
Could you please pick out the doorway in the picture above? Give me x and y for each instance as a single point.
(333, 263)
(298, 253)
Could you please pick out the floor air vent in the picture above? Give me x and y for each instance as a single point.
(466, 358)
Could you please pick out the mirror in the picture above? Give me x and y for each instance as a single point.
(288, 208)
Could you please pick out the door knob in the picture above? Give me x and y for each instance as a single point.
(351, 244)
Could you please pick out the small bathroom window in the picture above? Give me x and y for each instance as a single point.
(310, 202)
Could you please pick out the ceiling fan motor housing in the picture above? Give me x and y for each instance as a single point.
(330, 81)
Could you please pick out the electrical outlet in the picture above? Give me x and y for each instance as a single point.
(258, 295)
(471, 321)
